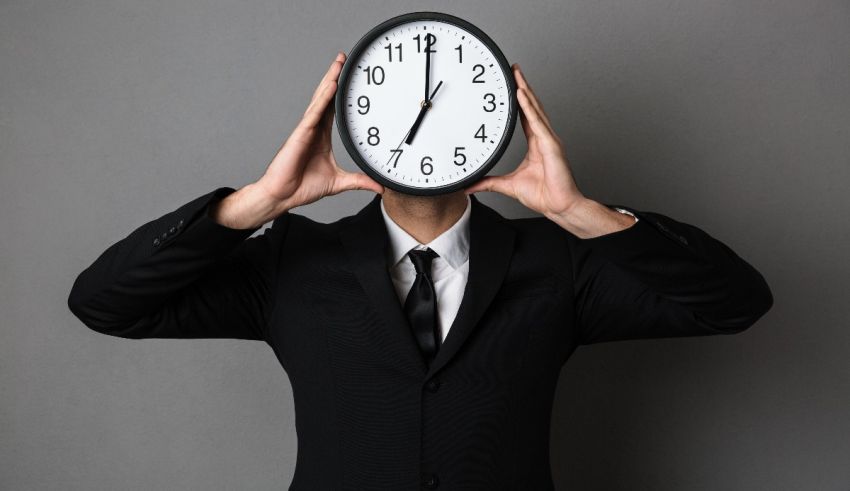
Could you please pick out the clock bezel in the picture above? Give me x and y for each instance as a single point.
(345, 74)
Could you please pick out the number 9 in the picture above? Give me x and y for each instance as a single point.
(363, 105)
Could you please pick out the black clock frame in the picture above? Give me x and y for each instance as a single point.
(345, 74)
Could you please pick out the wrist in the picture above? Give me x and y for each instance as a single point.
(588, 219)
(245, 208)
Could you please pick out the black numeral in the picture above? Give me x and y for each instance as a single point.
(491, 100)
(480, 133)
(460, 154)
(363, 104)
(475, 78)
(375, 75)
(389, 49)
(396, 154)
(459, 50)
(373, 133)
(430, 41)
(424, 164)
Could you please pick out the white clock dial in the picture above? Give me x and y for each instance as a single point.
(469, 113)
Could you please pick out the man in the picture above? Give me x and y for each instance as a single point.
(423, 336)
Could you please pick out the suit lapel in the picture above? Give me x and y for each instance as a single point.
(366, 241)
(491, 245)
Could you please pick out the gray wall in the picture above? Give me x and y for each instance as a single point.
(731, 115)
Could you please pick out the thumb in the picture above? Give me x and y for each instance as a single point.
(358, 180)
(499, 184)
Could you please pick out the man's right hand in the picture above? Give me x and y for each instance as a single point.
(303, 171)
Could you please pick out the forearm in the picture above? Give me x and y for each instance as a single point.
(588, 219)
(708, 286)
(247, 208)
(122, 292)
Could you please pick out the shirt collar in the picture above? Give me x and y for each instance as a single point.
(452, 245)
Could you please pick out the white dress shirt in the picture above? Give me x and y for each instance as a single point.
(449, 271)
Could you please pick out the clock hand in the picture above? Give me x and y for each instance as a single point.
(418, 119)
(427, 70)
(426, 105)
(392, 152)
(428, 38)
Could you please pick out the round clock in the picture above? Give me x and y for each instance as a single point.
(426, 103)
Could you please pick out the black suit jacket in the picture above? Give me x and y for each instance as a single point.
(369, 413)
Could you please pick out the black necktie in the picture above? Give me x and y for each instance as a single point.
(421, 304)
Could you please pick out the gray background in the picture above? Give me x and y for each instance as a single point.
(730, 115)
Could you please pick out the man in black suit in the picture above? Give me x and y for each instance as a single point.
(396, 394)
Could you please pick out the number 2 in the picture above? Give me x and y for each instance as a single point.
(475, 78)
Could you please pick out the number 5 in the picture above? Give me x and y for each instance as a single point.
(459, 154)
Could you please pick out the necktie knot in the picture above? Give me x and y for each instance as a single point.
(421, 260)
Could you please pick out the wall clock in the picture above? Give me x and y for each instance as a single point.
(426, 103)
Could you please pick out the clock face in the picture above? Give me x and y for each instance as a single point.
(426, 104)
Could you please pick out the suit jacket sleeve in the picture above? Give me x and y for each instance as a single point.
(182, 275)
(662, 278)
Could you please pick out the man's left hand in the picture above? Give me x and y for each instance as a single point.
(543, 180)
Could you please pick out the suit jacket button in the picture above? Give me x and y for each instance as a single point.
(432, 385)
(429, 481)
(163, 236)
(156, 242)
(180, 223)
(172, 230)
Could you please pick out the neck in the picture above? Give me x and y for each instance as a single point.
(424, 217)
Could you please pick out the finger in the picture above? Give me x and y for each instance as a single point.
(328, 116)
(523, 83)
(535, 122)
(313, 114)
(331, 74)
(523, 119)
(357, 180)
(498, 184)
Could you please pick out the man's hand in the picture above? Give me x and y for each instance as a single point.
(303, 171)
(543, 180)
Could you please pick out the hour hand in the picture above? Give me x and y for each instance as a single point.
(426, 105)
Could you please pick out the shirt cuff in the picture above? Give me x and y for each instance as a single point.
(627, 212)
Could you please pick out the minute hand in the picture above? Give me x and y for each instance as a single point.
(425, 106)
(428, 42)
